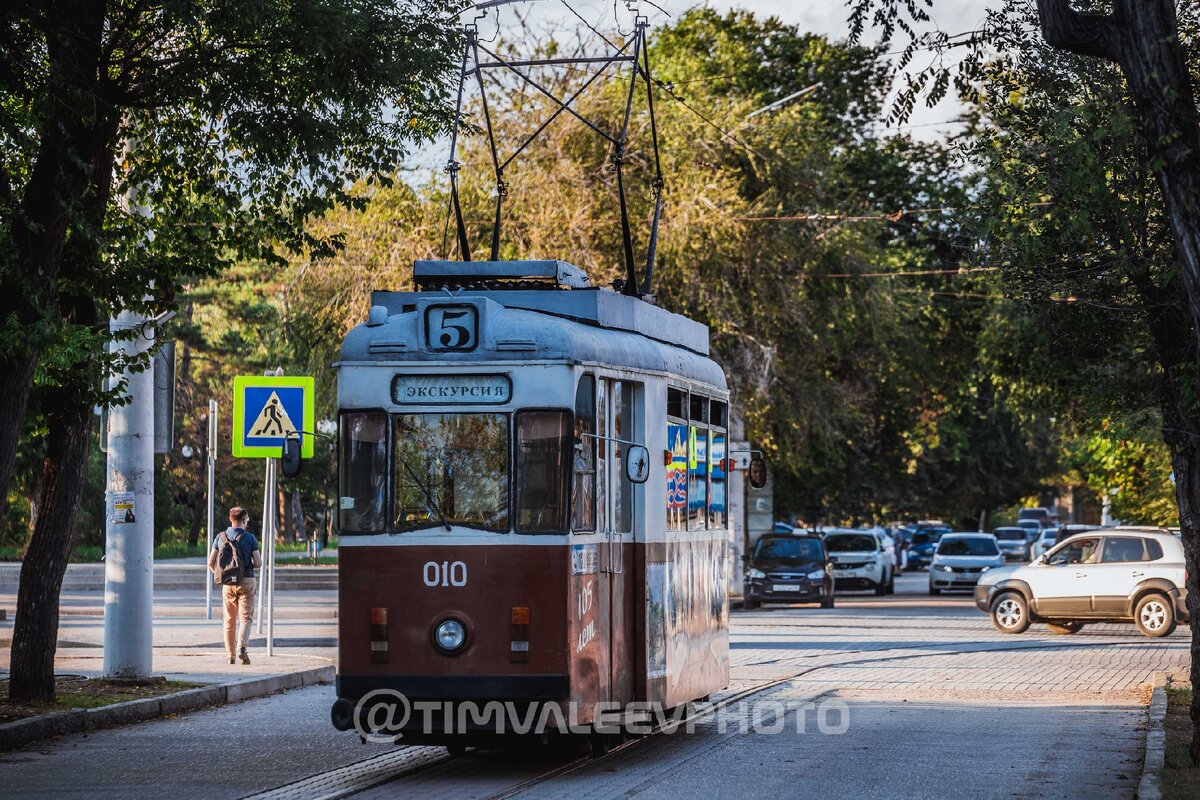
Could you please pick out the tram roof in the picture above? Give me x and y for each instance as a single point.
(583, 325)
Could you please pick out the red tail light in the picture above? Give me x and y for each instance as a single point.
(379, 635)
(519, 646)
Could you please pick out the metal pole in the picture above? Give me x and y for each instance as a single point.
(212, 500)
(129, 523)
(271, 467)
(265, 533)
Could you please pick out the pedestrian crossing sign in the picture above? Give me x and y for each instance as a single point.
(267, 410)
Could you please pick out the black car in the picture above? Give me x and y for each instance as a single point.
(788, 569)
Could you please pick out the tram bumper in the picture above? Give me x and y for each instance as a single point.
(421, 703)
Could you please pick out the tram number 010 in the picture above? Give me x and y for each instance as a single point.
(446, 573)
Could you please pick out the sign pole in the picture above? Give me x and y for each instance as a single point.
(271, 468)
(212, 500)
(266, 539)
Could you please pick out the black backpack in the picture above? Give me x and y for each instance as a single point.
(230, 570)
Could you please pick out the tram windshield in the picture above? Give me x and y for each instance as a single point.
(450, 469)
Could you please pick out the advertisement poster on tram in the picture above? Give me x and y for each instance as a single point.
(677, 477)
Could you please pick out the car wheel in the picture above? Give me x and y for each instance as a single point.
(751, 603)
(891, 584)
(1155, 616)
(827, 602)
(881, 588)
(1010, 613)
(1064, 627)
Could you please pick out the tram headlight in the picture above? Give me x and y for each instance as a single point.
(450, 636)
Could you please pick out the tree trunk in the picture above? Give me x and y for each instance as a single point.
(16, 379)
(297, 512)
(283, 520)
(63, 171)
(1143, 37)
(35, 632)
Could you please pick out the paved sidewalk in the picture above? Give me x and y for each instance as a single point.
(189, 647)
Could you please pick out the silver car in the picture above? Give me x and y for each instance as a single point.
(1013, 542)
(961, 559)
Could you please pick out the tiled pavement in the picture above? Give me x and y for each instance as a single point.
(927, 683)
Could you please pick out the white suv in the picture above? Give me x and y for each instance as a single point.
(1110, 575)
(859, 561)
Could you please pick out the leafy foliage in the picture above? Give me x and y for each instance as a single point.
(791, 233)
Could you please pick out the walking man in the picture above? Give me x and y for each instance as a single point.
(234, 558)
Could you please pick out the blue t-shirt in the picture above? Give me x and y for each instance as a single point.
(246, 546)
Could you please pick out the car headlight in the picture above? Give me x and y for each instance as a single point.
(450, 635)
(943, 568)
(816, 575)
(984, 569)
(755, 573)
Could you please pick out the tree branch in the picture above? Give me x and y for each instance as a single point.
(1064, 28)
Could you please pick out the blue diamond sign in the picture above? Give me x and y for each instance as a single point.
(266, 410)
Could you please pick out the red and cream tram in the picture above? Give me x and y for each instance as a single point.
(532, 478)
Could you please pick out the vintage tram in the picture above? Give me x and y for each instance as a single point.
(532, 479)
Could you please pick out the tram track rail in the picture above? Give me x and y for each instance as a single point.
(413, 760)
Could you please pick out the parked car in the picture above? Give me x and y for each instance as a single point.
(922, 544)
(1106, 575)
(859, 562)
(1040, 515)
(1013, 542)
(789, 569)
(961, 559)
(1049, 537)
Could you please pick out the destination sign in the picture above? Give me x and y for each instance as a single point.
(449, 390)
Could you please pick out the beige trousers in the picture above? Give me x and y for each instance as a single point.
(239, 605)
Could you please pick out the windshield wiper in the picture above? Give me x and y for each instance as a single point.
(435, 508)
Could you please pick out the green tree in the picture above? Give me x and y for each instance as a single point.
(781, 233)
(233, 124)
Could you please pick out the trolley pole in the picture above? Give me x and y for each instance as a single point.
(212, 500)
(129, 518)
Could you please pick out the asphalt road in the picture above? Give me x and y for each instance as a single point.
(921, 697)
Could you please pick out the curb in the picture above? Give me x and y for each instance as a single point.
(24, 731)
(1149, 787)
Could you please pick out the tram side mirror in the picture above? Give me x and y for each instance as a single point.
(637, 464)
(758, 472)
(290, 459)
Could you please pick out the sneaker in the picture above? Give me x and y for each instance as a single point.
(243, 655)
(231, 659)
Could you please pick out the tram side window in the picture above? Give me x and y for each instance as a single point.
(697, 477)
(543, 453)
(362, 472)
(677, 469)
(602, 459)
(717, 466)
(583, 487)
(622, 403)
(677, 403)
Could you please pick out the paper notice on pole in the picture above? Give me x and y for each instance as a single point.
(123, 507)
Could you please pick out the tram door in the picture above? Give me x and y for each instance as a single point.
(616, 408)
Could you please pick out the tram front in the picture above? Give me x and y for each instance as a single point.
(468, 441)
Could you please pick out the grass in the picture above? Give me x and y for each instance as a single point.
(73, 691)
(90, 554)
(1180, 777)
